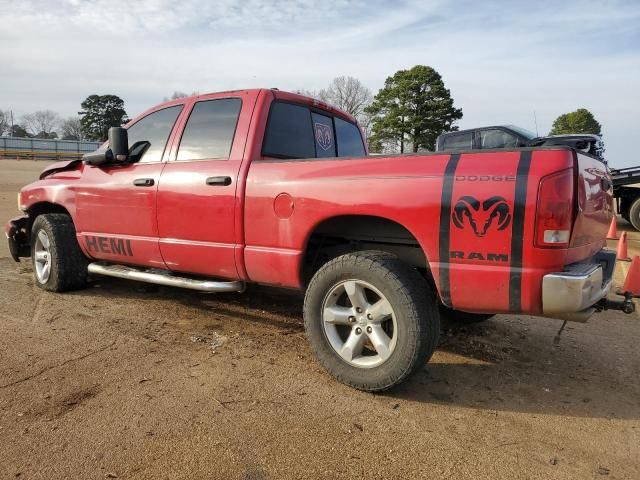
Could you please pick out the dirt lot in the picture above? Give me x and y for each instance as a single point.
(126, 381)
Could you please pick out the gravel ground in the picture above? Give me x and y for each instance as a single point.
(123, 380)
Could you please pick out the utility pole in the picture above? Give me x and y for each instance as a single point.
(535, 120)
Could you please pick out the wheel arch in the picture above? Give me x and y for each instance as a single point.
(340, 234)
(42, 208)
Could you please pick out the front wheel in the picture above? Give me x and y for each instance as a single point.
(58, 262)
(371, 319)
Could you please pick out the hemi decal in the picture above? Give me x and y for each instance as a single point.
(445, 227)
(517, 233)
(113, 246)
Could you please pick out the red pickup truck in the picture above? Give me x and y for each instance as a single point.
(214, 191)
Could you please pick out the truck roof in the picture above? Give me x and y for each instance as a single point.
(278, 94)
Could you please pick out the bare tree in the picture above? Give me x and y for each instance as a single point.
(41, 123)
(5, 122)
(348, 94)
(71, 129)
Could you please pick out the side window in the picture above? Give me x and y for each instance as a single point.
(323, 134)
(209, 131)
(155, 129)
(497, 139)
(458, 141)
(289, 133)
(349, 139)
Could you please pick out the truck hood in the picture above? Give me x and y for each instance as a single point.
(59, 167)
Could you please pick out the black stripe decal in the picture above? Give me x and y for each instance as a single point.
(517, 232)
(445, 227)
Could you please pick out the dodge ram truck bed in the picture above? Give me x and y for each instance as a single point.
(213, 191)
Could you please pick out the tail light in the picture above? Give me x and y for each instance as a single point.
(555, 209)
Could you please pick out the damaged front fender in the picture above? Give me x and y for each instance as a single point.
(18, 237)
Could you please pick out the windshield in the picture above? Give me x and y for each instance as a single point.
(522, 131)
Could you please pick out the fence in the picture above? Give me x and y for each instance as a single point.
(41, 149)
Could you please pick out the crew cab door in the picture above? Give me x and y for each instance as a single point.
(116, 203)
(199, 199)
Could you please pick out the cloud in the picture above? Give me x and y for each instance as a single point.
(501, 60)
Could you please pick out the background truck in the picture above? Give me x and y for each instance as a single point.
(214, 191)
(511, 136)
(626, 194)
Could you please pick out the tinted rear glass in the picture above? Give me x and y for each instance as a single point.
(209, 130)
(349, 139)
(323, 134)
(289, 133)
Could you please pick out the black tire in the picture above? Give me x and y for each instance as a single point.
(634, 214)
(451, 318)
(414, 307)
(68, 265)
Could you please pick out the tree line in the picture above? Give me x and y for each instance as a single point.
(406, 114)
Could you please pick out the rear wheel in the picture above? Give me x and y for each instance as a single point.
(58, 262)
(371, 319)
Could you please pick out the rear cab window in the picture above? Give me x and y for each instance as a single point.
(297, 131)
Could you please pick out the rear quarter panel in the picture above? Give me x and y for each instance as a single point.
(498, 271)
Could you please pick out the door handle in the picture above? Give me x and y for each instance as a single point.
(144, 182)
(220, 181)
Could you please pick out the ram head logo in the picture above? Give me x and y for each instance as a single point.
(481, 216)
(324, 135)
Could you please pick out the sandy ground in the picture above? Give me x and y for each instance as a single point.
(126, 381)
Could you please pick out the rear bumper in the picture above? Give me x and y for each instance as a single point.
(572, 294)
(17, 237)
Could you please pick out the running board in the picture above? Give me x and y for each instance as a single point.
(163, 277)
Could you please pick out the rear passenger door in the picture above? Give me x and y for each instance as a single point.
(197, 204)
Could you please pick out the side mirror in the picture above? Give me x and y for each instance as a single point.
(119, 143)
(117, 151)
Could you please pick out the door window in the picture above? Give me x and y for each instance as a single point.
(458, 141)
(497, 139)
(210, 129)
(155, 129)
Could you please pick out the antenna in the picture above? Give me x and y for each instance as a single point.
(535, 120)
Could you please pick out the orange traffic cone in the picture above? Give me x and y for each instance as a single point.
(622, 248)
(632, 282)
(613, 230)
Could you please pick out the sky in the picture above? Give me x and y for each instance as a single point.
(502, 61)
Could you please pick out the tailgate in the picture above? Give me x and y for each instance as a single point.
(594, 206)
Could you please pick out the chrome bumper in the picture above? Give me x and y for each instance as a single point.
(572, 294)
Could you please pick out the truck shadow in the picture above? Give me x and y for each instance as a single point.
(508, 364)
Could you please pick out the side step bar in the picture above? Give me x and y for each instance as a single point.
(163, 277)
